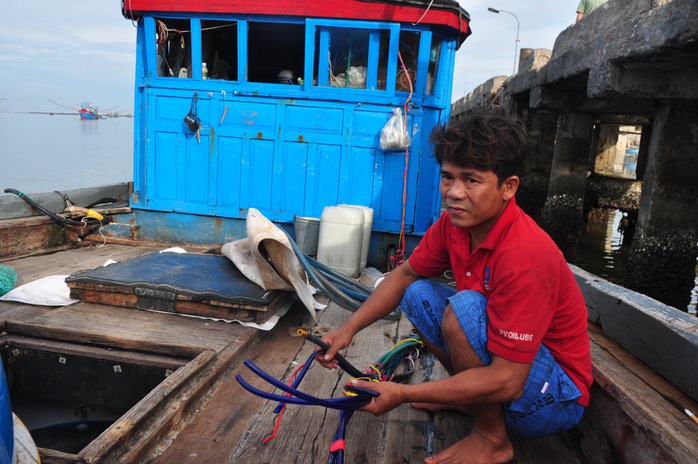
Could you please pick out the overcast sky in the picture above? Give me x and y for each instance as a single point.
(71, 51)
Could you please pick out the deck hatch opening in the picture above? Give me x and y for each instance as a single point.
(67, 394)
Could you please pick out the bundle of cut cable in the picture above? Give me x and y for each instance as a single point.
(346, 405)
(381, 370)
(342, 290)
(296, 396)
(384, 368)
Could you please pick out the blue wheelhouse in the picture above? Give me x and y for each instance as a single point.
(285, 104)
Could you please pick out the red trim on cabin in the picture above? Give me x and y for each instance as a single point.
(344, 9)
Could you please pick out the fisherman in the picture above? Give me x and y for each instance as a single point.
(513, 334)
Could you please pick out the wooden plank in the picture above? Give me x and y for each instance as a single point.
(10, 310)
(140, 359)
(130, 329)
(635, 410)
(232, 420)
(49, 456)
(367, 346)
(560, 448)
(659, 335)
(20, 237)
(116, 437)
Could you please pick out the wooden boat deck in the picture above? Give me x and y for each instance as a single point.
(201, 414)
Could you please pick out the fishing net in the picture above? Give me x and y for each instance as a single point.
(8, 278)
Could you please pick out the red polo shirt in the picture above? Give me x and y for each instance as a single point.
(532, 295)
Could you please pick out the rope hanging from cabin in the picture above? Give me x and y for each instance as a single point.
(424, 14)
(397, 255)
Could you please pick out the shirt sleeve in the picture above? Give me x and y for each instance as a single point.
(431, 257)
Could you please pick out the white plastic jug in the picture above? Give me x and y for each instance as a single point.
(366, 241)
(341, 238)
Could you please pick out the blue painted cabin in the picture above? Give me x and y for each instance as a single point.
(289, 102)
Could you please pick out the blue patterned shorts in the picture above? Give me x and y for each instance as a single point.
(548, 404)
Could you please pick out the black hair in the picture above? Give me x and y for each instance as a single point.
(483, 141)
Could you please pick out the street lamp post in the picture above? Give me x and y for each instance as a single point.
(516, 44)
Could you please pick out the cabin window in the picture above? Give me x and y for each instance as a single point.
(275, 52)
(351, 57)
(173, 39)
(434, 58)
(219, 50)
(406, 75)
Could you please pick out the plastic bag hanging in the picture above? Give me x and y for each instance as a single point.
(394, 135)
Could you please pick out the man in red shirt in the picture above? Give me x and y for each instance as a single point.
(513, 334)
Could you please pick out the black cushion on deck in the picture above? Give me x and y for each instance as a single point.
(198, 276)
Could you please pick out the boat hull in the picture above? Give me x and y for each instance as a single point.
(88, 115)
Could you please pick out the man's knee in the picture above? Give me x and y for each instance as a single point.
(423, 304)
(424, 295)
(449, 324)
(460, 349)
(465, 326)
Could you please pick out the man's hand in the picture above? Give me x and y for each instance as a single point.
(390, 396)
(337, 339)
(384, 299)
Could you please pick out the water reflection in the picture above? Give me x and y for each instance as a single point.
(600, 249)
(604, 246)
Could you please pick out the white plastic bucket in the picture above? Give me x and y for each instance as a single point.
(366, 241)
(341, 238)
(307, 230)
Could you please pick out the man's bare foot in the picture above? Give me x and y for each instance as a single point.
(476, 448)
(434, 407)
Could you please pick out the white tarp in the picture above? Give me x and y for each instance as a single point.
(47, 291)
(266, 258)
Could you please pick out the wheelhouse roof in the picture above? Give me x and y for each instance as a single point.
(447, 13)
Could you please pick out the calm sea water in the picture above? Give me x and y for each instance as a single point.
(603, 251)
(43, 153)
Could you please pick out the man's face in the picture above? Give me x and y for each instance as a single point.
(473, 198)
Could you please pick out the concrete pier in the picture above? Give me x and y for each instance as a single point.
(663, 253)
(625, 72)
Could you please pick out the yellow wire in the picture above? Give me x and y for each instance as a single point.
(406, 340)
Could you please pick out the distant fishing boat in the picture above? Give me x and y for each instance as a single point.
(87, 111)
